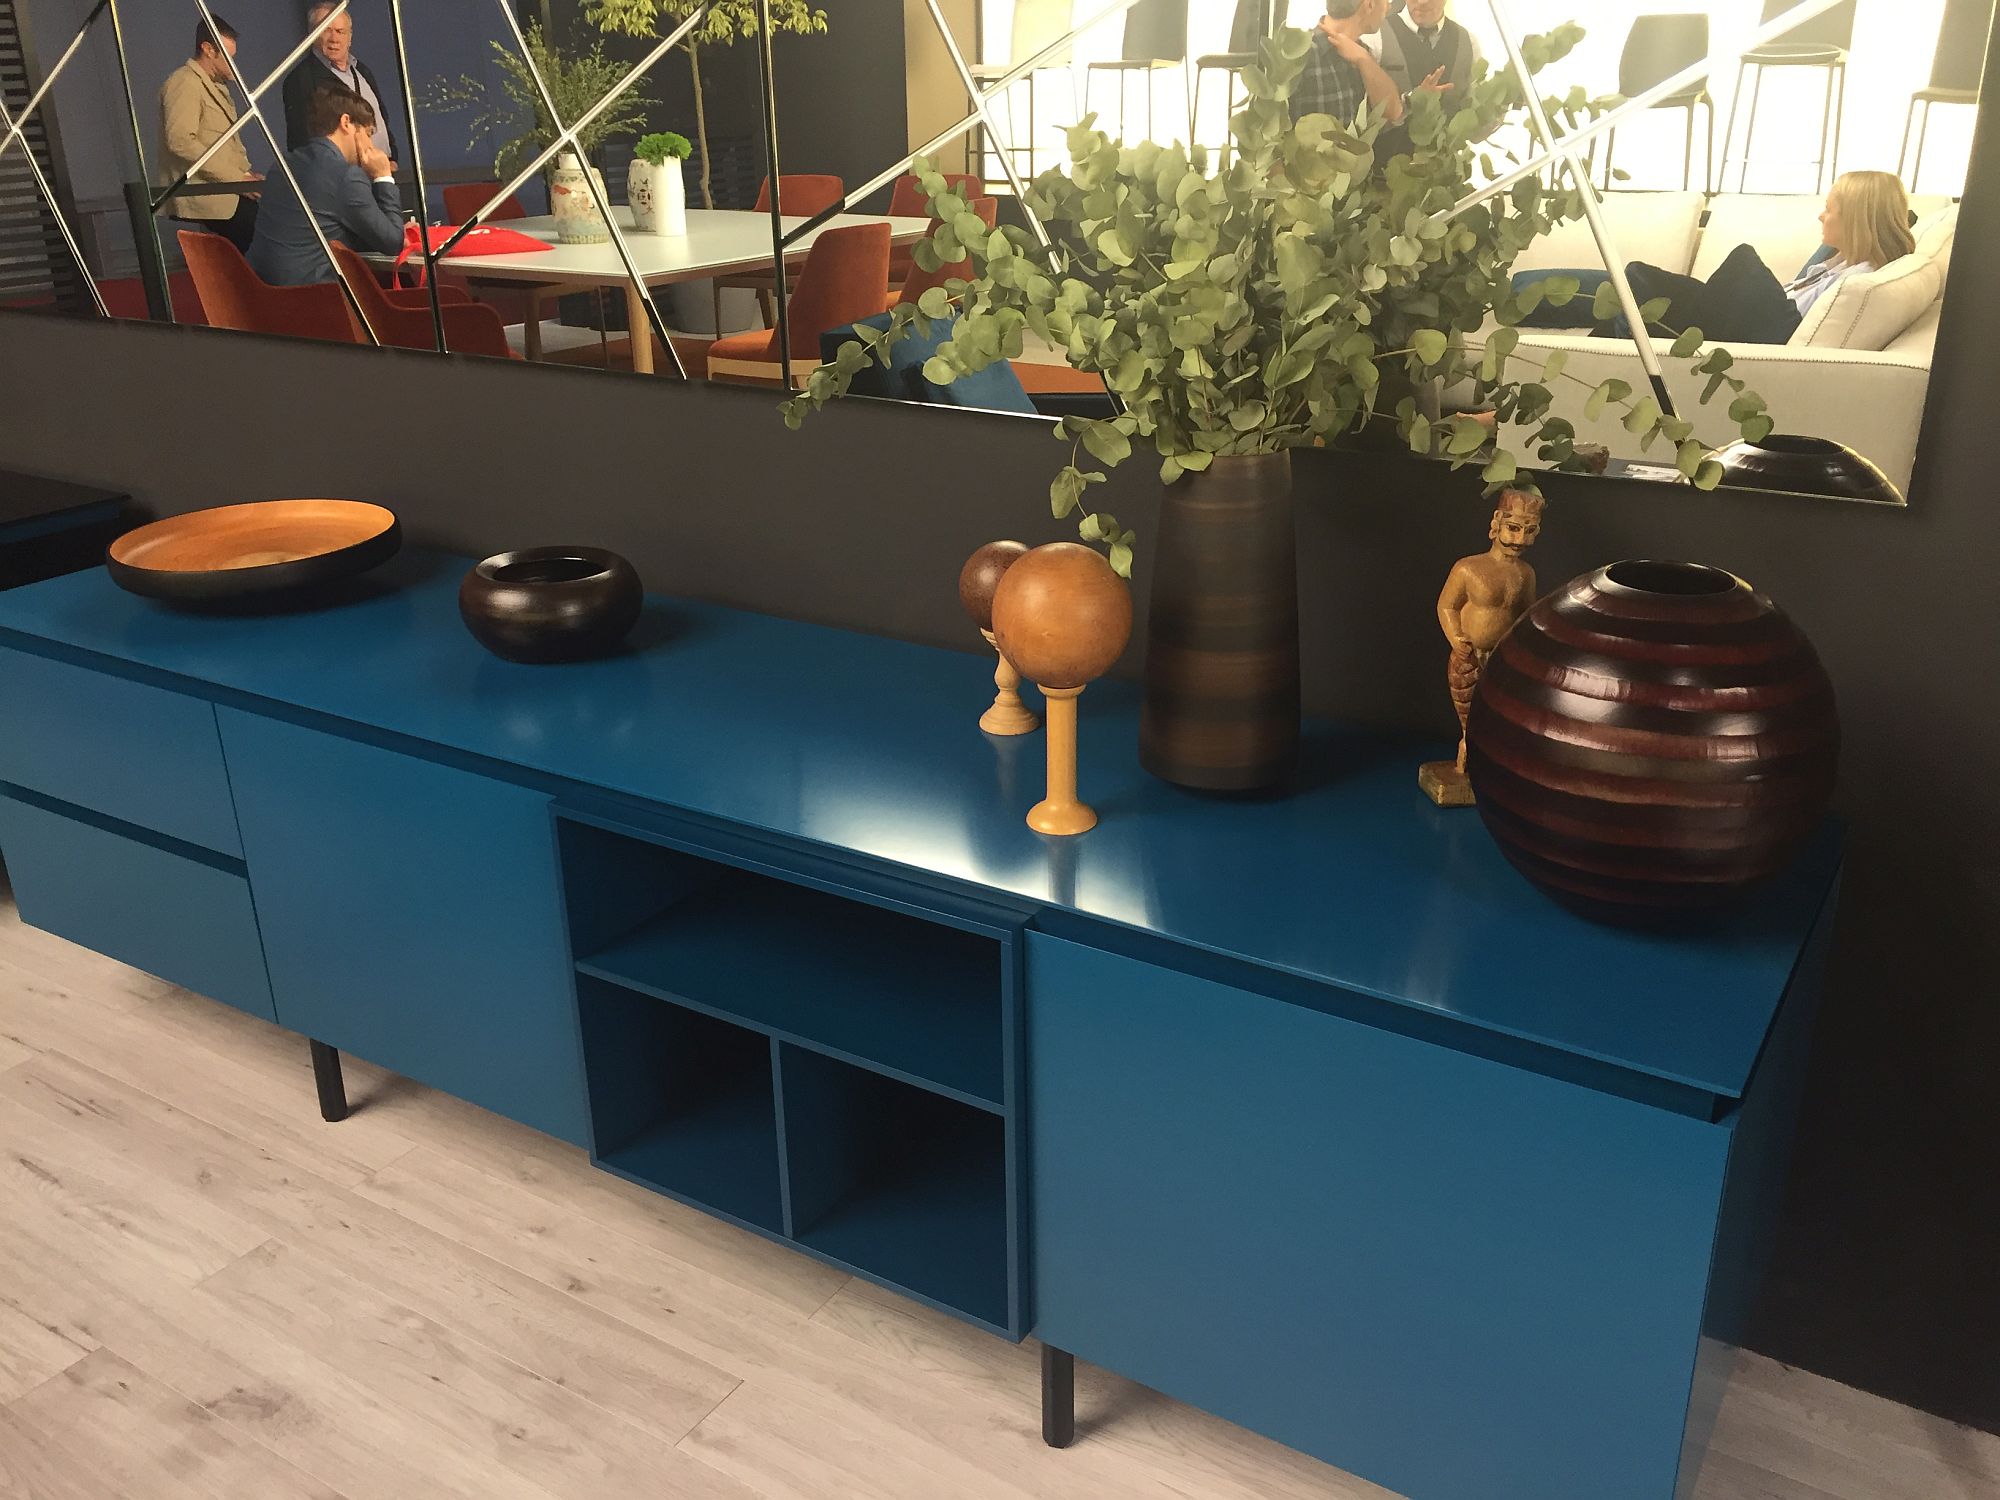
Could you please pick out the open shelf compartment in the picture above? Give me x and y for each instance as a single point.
(825, 1055)
(912, 997)
(902, 1185)
(682, 1103)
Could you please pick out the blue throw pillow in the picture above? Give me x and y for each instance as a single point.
(994, 388)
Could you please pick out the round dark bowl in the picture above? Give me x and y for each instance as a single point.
(265, 551)
(551, 604)
(1805, 466)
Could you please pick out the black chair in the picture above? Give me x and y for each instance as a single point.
(1253, 21)
(1155, 38)
(1955, 69)
(1821, 42)
(1658, 48)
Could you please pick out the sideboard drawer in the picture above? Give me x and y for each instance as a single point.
(136, 753)
(184, 919)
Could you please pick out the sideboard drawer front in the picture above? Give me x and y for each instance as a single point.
(1458, 1279)
(181, 918)
(136, 753)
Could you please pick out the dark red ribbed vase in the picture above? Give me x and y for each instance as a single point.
(1651, 737)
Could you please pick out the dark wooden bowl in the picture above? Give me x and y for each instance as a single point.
(1806, 466)
(551, 604)
(1650, 737)
(262, 550)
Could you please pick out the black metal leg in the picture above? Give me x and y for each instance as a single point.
(1058, 1397)
(326, 1077)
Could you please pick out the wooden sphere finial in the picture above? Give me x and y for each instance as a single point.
(981, 576)
(1062, 616)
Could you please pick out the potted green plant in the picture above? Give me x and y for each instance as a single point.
(654, 185)
(728, 21)
(512, 108)
(1312, 291)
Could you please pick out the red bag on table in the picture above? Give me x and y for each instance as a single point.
(481, 239)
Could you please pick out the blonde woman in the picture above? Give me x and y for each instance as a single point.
(1864, 226)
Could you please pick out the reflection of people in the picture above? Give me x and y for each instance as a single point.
(1864, 226)
(197, 110)
(1341, 74)
(1424, 45)
(347, 185)
(1484, 595)
(332, 61)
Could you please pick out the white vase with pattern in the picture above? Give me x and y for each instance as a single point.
(576, 199)
(658, 195)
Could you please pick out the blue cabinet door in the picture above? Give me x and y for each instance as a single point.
(410, 916)
(1458, 1279)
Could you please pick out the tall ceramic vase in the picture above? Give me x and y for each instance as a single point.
(576, 198)
(658, 195)
(1221, 709)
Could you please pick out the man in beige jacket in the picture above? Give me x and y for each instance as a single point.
(197, 109)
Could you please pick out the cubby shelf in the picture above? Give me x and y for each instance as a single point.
(934, 1224)
(910, 998)
(682, 1103)
(813, 1056)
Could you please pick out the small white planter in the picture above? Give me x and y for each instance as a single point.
(577, 202)
(658, 195)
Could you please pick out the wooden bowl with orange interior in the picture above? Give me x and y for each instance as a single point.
(262, 550)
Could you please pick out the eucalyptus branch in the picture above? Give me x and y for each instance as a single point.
(1307, 293)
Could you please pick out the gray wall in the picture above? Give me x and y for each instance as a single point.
(1892, 1226)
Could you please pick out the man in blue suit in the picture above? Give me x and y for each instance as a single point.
(348, 188)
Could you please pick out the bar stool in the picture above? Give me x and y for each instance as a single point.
(1037, 24)
(1821, 42)
(1155, 38)
(1955, 67)
(1249, 26)
(1231, 66)
(1657, 48)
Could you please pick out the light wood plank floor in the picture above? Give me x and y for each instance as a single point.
(207, 1293)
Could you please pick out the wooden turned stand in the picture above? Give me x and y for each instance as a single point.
(1007, 715)
(1060, 812)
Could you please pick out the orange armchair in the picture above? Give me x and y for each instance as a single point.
(234, 296)
(907, 201)
(800, 193)
(919, 281)
(403, 319)
(845, 279)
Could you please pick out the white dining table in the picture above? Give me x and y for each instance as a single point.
(719, 242)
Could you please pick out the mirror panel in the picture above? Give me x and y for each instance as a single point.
(1730, 175)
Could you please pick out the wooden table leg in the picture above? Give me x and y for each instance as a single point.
(531, 336)
(640, 328)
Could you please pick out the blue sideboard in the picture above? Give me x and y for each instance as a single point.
(1308, 1111)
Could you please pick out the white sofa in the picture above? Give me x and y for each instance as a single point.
(1857, 369)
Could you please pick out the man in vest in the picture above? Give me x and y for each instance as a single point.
(1421, 43)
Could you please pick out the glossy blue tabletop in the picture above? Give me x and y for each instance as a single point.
(871, 746)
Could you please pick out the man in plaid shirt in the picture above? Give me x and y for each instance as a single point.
(1341, 74)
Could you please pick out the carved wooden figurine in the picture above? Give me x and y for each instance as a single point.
(1063, 617)
(1482, 599)
(976, 582)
